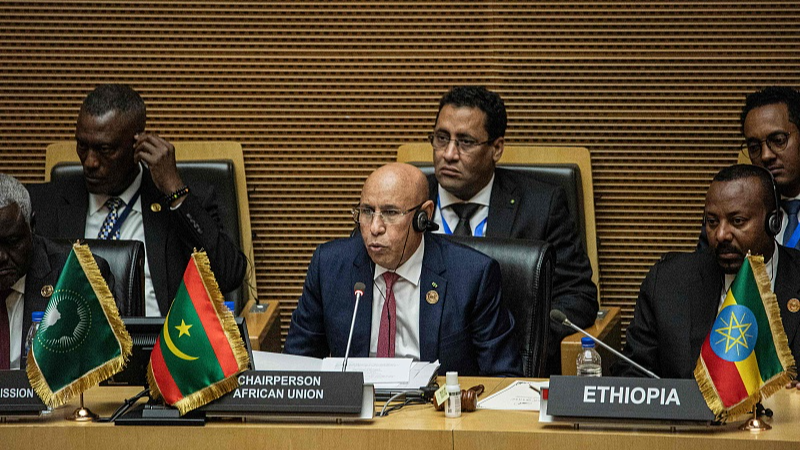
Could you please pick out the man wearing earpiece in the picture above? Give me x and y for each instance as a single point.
(425, 298)
(679, 298)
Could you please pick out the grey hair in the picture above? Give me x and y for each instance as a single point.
(12, 191)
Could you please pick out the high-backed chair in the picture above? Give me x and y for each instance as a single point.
(126, 261)
(568, 167)
(527, 269)
(219, 163)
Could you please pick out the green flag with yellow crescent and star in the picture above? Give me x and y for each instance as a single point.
(199, 351)
(81, 340)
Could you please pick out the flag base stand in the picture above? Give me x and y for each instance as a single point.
(83, 414)
(755, 423)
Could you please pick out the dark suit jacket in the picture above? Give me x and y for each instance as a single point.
(170, 235)
(677, 306)
(47, 261)
(522, 207)
(467, 330)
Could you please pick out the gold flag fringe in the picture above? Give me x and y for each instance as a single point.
(105, 370)
(780, 340)
(222, 387)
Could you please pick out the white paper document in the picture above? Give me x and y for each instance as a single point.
(376, 370)
(517, 396)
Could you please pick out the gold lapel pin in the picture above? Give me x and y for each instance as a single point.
(794, 305)
(155, 207)
(47, 291)
(432, 297)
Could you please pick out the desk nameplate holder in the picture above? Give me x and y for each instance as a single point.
(297, 396)
(628, 403)
(17, 397)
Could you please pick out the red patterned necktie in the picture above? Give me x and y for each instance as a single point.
(388, 329)
(5, 333)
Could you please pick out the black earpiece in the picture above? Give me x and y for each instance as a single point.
(774, 219)
(422, 223)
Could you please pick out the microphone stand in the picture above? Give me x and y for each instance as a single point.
(359, 292)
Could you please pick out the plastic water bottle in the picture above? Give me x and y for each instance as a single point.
(588, 362)
(452, 407)
(36, 319)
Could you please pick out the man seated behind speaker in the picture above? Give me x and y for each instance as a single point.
(474, 197)
(131, 189)
(679, 298)
(29, 268)
(425, 298)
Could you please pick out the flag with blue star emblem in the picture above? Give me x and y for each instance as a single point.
(745, 357)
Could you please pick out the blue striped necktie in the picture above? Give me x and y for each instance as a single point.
(791, 207)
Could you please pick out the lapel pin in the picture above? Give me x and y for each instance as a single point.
(432, 297)
(433, 283)
(513, 201)
(794, 305)
(155, 207)
(47, 291)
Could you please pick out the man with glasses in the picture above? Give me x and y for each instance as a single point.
(131, 189)
(424, 298)
(474, 197)
(769, 123)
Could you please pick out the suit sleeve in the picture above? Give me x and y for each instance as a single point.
(307, 329)
(198, 218)
(642, 334)
(574, 292)
(492, 329)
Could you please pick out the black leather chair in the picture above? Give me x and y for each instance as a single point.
(126, 261)
(219, 173)
(527, 270)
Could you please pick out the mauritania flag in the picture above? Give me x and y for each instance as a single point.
(199, 351)
(81, 340)
(746, 355)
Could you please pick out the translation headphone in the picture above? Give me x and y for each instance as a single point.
(422, 223)
(774, 219)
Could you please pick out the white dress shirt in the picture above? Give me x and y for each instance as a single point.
(132, 229)
(16, 308)
(477, 222)
(406, 296)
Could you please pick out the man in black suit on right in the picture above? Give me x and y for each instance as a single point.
(473, 197)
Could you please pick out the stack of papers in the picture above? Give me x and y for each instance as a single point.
(517, 396)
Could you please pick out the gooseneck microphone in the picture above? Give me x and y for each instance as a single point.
(358, 290)
(560, 317)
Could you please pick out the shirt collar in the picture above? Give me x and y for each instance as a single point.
(481, 198)
(770, 265)
(411, 270)
(98, 201)
(19, 286)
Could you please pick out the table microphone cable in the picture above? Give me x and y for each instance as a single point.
(126, 405)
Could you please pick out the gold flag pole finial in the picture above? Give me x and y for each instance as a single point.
(83, 414)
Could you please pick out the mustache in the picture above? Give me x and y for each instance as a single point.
(727, 248)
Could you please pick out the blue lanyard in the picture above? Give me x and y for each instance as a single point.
(124, 214)
(480, 230)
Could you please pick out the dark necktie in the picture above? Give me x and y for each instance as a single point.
(791, 207)
(388, 329)
(5, 332)
(113, 204)
(464, 211)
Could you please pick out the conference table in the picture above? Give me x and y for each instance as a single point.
(413, 427)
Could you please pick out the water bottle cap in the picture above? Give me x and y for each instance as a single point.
(452, 378)
(587, 342)
(37, 316)
(231, 306)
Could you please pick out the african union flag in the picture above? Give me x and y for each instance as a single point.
(199, 351)
(746, 355)
(81, 340)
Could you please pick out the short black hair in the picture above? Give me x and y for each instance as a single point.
(770, 96)
(479, 97)
(740, 171)
(116, 97)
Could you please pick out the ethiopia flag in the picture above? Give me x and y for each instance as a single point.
(81, 340)
(199, 351)
(746, 355)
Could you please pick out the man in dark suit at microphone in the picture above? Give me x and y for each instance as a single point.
(679, 298)
(425, 298)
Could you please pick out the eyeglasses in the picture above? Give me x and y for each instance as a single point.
(776, 142)
(440, 141)
(365, 214)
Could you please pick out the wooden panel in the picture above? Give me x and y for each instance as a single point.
(320, 93)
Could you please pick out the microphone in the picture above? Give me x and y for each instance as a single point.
(560, 317)
(358, 290)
